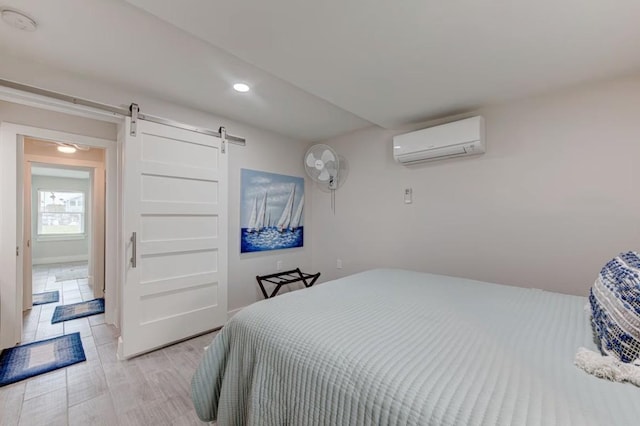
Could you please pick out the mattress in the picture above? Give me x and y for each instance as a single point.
(395, 347)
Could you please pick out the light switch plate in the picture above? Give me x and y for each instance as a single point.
(408, 195)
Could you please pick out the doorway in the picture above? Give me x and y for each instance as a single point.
(52, 218)
(64, 229)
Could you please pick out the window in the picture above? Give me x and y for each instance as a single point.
(60, 213)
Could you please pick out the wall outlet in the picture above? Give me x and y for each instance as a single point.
(339, 264)
(279, 265)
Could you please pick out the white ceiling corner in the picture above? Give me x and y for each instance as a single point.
(116, 43)
(321, 69)
(398, 62)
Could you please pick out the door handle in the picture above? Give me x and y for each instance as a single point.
(134, 249)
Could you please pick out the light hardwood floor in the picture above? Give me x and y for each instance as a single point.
(152, 389)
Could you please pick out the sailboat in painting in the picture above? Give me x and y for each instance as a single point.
(261, 214)
(295, 222)
(253, 217)
(285, 219)
(257, 218)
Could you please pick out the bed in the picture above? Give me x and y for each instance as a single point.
(395, 347)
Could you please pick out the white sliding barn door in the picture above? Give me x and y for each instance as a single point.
(175, 201)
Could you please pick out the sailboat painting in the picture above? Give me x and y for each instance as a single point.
(271, 211)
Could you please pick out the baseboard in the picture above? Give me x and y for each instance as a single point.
(61, 259)
(230, 314)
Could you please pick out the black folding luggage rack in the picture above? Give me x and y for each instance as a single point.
(284, 278)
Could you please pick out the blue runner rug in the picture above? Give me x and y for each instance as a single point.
(22, 362)
(46, 297)
(78, 310)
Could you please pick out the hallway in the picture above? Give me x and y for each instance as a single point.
(37, 321)
(149, 389)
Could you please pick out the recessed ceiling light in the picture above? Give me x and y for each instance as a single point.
(241, 87)
(66, 149)
(18, 20)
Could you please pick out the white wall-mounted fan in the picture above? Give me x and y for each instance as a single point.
(322, 164)
(325, 167)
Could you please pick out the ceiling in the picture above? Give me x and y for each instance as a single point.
(116, 43)
(324, 68)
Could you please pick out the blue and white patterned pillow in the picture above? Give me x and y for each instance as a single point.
(615, 307)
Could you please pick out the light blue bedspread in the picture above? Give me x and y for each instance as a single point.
(394, 347)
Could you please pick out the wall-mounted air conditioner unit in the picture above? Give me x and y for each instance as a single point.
(456, 139)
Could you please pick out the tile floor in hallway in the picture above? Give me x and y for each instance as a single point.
(152, 389)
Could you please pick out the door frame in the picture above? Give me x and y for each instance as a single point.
(12, 175)
(27, 254)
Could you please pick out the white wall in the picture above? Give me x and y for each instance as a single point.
(56, 250)
(22, 114)
(265, 151)
(553, 199)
